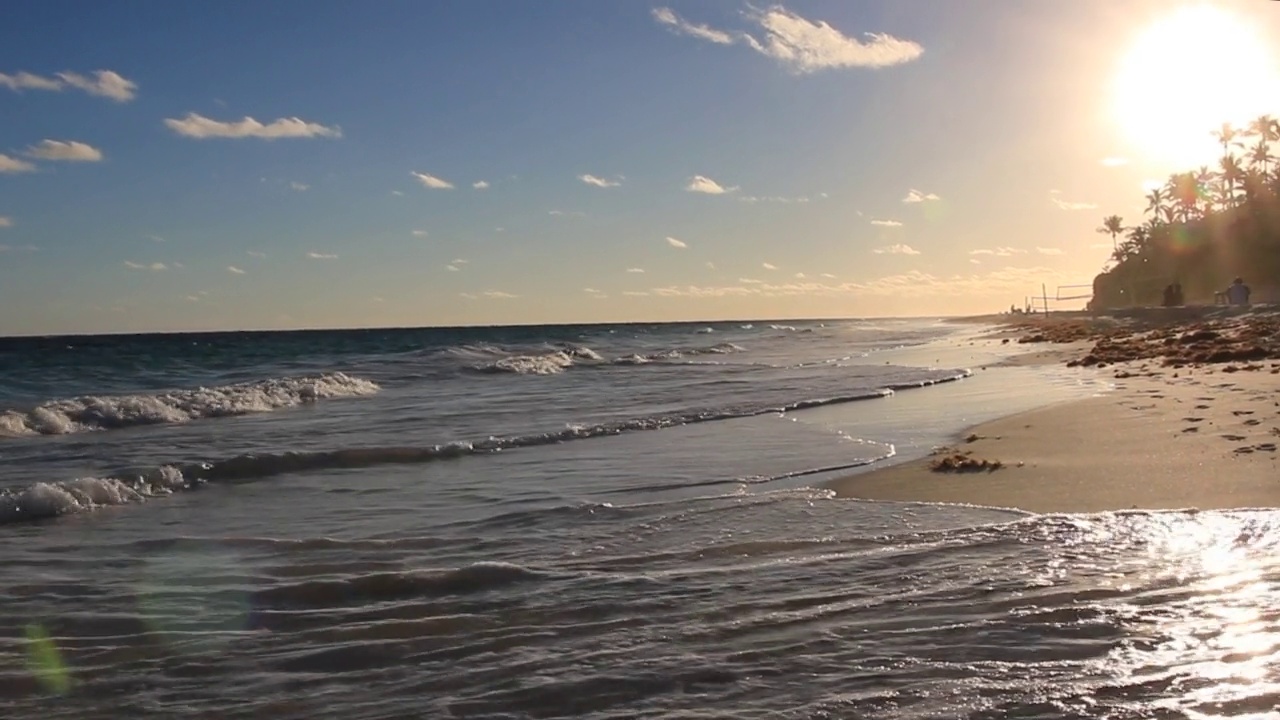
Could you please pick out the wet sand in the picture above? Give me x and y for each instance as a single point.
(1194, 421)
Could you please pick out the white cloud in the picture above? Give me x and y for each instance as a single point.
(800, 276)
(257, 254)
(69, 150)
(1049, 251)
(1067, 204)
(300, 187)
(480, 185)
(590, 290)
(192, 298)
(397, 193)
(774, 199)
(598, 181)
(431, 181)
(469, 296)
(673, 242)
(419, 233)
(1115, 161)
(829, 276)
(635, 293)
(460, 261)
(750, 281)
(234, 270)
(1002, 251)
(155, 266)
(768, 266)
(886, 223)
(103, 83)
(910, 284)
(452, 268)
(711, 265)
(566, 213)
(915, 196)
(6, 221)
(896, 249)
(499, 295)
(975, 261)
(702, 184)
(14, 165)
(197, 126)
(322, 256)
(803, 45)
(635, 270)
(670, 19)
(29, 81)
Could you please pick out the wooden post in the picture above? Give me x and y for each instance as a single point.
(1044, 294)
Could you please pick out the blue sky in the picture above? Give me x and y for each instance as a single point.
(183, 166)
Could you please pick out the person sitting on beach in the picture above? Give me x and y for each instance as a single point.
(1238, 293)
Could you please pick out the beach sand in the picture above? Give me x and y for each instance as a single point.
(1192, 436)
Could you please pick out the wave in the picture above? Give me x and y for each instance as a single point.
(109, 412)
(43, 501)
(560, 359)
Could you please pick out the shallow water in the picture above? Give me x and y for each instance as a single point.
(660, 547)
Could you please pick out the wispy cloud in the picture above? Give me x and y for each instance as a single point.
(915, 196)
(195, 125)
(419, 233)
(800, 276)
(1002, 251)
(711, 265)
(452, 268)
(829, 276)
(566, 213)
(460, 261)
(635, 293)
(480, 185)
(300, 187)
(1115, 161)
(6, 221)
(14, 165)
(635, 270)
(398, 193)
(703, 184)
(774, 199)
(322, 256)
(675, 243)
(1049, 251)
(431, 181)
(234, 270)
(499, 295)
(597, 294)
(1055, 197)
(896, 249)
(750, 281)
(667, 17)
(69, 150)
(768, 266)
(155, 266)
(803, 45)
(599, 181)
(886, 223)
(257, 254)
(913, 284)
(102, 83)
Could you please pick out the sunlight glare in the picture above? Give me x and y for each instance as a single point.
(1185, 75)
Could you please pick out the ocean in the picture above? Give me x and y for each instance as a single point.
(606, 521)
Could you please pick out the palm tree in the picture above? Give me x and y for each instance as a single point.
(1265, 127)
(1184, 189)
(1155, 201)
(1112, 225)
(1260, 155)
(1232, 174)
(1226, 135)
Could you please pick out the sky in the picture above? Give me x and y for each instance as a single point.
(243, 165)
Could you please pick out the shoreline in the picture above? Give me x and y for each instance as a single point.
(1172, 434)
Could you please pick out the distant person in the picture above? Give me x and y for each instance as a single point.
(1167, 299)
(1238, 293)
(1178, 300)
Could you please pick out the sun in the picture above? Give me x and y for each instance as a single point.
(1188, 73)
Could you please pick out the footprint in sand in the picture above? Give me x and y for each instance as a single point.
(1238, 413)
(1243, 450)
(1253, 422)
(1233, 438)
(1267, 447)
(1191, 429)
(1193, 419)
(1201, 407)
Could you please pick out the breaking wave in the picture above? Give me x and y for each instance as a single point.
(46, 500)
(561, 359)
(109, 412)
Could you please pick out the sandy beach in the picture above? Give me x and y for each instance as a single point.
(1193, 422)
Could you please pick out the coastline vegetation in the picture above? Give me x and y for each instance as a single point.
(1203, 227)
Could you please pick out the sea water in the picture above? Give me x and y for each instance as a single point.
(581, 521)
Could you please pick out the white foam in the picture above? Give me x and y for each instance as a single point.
(46, 500)
(92, 412)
